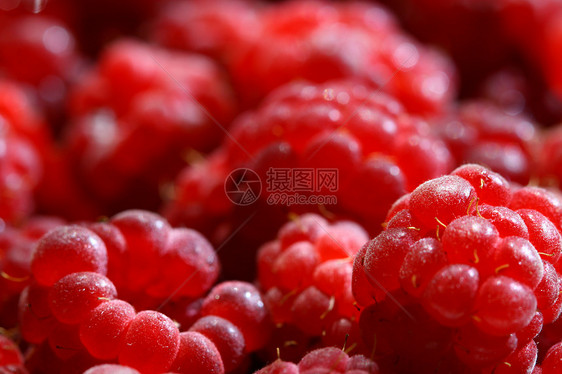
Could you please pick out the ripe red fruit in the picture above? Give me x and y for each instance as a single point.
(483, 133)
(298, 127)
(151, 343)
(133, 122)
(66, 250)
(477, 271)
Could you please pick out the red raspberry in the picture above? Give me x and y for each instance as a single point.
(321, 41)
(378, 151)
(317, 41)
(306, 275)
(137, 115)
(483, 133)
(481, 271)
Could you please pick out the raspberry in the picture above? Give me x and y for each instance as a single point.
(301, 126)
(320, 41)
(132, 122)
(482, 271)
(485, 134)
(306, 275)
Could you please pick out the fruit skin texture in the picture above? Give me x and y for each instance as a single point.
(504, 305)
(226, 337)
(103, 331)
(241, 304)
(151, 343)
(552, 363)
(197, 355)
(66, 250)
(75, 295)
